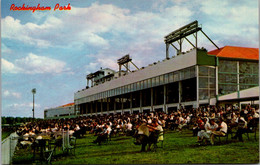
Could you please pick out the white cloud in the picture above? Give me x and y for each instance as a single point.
(21, 110)
(8, 67)
(115, 31)
(34, 64)
(233, 23)
(13, 29)
(10, 94)
(23, 105)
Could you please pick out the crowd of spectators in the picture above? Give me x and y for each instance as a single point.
(205, 122)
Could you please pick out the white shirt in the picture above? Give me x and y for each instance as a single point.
(108, 130)
(129, 126)
(223, 127)
(207, 126)
(256, 115)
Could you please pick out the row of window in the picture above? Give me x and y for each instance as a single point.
(229, 75)
(233, 78)
(183, 74)
(244, 67)
(207, 82)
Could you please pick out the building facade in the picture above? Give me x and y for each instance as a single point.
(227, 75)
(60, 112)
(191, 79)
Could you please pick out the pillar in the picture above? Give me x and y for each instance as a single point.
(164, 98)
(167, 50)
(180, 93)
(197, 87)
(141, 101)
(151, 99)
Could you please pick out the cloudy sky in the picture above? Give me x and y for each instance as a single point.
(53, 51)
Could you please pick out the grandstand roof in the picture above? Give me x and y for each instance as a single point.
(236, 52)
(66, 105)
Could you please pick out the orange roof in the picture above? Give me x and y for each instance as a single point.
(236, 52)
(66, 105)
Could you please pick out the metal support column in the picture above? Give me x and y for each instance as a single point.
(91, 108)
(96, 107)
(151, 99)
(101, 106)
(119, 70)
(141, 101)
(164, 98)
(167, 51)
(180, 93)
(122, 105)
(238, 87)
(115, 107)
(197, 86)
(131, 103)
(108, 100)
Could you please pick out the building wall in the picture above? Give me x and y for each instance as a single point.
(192, 78)
(59, 111)
(160, 68)
(236, 75)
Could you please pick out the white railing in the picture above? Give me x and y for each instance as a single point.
(8, 148)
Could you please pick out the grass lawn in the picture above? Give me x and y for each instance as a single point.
(178, 148)
(5, 134)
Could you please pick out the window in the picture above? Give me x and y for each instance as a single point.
(149, 83)
(166, 78)
(176, 76)
(227, 78)
(141, 84)
(203, 71)
(153, 81)
(145, 84)
(157, 80)
(187, 73)
(227, 88)
(203, 94)
(161, 79)
(181, 74)
(192, 72)
(129, 88)
(138, 86)
(171, 77)
(227, 66)
(212, 72)
(203, 82)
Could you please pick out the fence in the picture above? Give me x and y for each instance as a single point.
(8, 148)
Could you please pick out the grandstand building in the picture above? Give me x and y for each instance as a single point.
(193, 78)
(227, 75)
(60, 112)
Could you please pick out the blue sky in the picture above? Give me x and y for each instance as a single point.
(53, 51)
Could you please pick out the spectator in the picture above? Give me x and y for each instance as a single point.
(221, 132)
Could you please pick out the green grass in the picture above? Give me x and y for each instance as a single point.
(179, 148)
(5, 134)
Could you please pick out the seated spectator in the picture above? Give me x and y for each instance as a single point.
(103, 135)
(182, 123)
(129, 126)
(200, 128)
(242, 128)
(221, 132)
(210, 126)
(254, 113)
